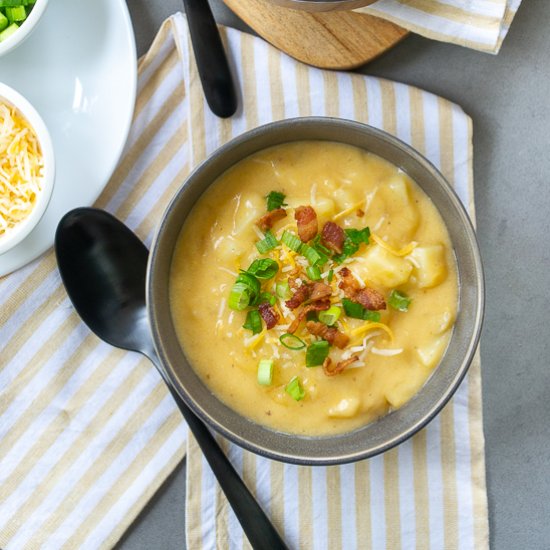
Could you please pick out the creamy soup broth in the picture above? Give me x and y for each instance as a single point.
(409, 250)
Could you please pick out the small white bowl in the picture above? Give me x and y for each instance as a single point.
(15, 235)
(26, 28)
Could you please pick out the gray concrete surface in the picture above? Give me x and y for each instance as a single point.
(508, 97)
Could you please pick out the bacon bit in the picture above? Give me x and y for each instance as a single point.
(333, 237)
(266, 222)
(369, 298)
(321, 305)
(269, 315)
(301, 294)
(331, 334)
(320, 291)
(306, 219)
(340, 366)
(359, 213)
(349, 283)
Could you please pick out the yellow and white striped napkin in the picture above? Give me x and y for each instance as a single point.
(88, 433)
(478, 24)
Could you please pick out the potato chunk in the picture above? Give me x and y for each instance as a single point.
(432, 267)
(385, 269)
(345, 408)
(411, 378)
(248, 211)
(430, 354)
(392, 212)
(324, 207)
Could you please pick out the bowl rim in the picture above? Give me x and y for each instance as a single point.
(25, 29)
(290, 455)
(15, 235)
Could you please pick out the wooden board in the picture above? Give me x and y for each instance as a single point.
(330, 40)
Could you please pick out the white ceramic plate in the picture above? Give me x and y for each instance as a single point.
(78, 69)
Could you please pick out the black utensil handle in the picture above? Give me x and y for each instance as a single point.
(258, 528)
(216, 78)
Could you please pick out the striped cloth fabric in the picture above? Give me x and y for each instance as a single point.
(478, 24)
(88, 433)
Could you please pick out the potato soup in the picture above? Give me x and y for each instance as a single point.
(314, 288)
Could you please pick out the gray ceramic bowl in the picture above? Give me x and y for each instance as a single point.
(393, 428)
(322, 5)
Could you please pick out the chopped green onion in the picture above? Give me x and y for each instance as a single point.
(357, 311)
(265, 372)
(330, 275)
(16, 14)
(316, 353)
(249, 280)
(244, 292)
(295, 390)
(267, 297)
(8, 31)
(358, 236)
(263, 268)
(311, 316)
(292, 342)
(253, 321)
(291, 240)
(399, 300)
(239, 297)
(267, 244)
(313, 272)
(282, 289)
(275, 200)
(311, 255)
(349, 248)
(3, 21)
(330, 316)
(354, 237)
(322, 250)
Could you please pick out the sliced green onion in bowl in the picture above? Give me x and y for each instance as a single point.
(330, 275)
(292, 342)
(358, 236)
(267, 297)
(295, 390)
(311, 255)
(357, 311)
(313, 273)
(253, 321)
(263, 268)
(316, 353)
(282, 289)
(330, 316)
(244, 292)
(265, 372)
(275, 199)
(399, 300)
(267, 244)
(239, 297)
(291, 240)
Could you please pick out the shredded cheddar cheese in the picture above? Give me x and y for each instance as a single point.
(396, 252)
(348, 210)
(21, 168)
(371, 326)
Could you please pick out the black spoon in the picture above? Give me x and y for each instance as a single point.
(103, 267)
(216, 79)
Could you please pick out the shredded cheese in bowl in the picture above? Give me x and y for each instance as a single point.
(21, 168)
(27, 168)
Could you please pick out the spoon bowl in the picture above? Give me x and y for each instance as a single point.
(103, 266)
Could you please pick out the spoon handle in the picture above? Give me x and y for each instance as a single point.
(258, 528)
(214, 72)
